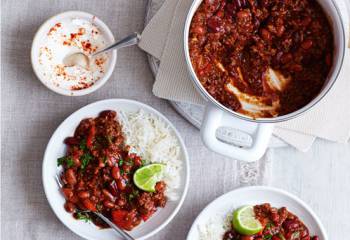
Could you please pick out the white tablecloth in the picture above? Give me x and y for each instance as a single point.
(30, 113)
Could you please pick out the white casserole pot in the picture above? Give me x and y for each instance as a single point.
(260, 129)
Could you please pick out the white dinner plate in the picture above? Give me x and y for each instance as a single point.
(56, 148)
(222, 207)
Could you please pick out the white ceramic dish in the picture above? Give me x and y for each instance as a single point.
(228, 202)
(40, 36)
(56, 148)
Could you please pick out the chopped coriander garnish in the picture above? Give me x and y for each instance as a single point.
(85, 159)
(120, 163)
(82, 145)
(68, 160)
(83, 216)
(267, 237)
(269, 225)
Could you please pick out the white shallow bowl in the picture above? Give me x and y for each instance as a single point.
(56, 148)
(227, 203)
(40, 37)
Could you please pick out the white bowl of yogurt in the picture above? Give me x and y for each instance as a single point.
(67, 33)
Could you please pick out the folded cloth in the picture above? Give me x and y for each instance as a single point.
(163, 39)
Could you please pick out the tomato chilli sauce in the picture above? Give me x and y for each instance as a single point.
(234, 44)
(279, 224)
(97, 175)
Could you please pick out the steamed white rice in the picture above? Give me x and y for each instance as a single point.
(153, 140)
(215, 227)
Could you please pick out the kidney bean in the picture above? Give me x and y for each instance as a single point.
(307, 44)
(70, 177)
(315, 238)
(116, 172)
(108, 195)
(68, 193)
(108, 204)
(88, 204)
(83, 194)
(121, 184)
(74, 199)
(215, 24)
(69, 206)
(266, 35)
(243, 14)
(127, 168)
(137, 162)
(280, 30)
(113, 188)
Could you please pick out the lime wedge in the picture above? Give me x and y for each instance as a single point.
(145, 178)
(244, 221)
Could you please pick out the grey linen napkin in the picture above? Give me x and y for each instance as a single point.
(163, 39)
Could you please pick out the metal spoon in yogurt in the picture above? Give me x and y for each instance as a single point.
(83, 60)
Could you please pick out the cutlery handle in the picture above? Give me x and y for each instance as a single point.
(125, 42)
(115, 227)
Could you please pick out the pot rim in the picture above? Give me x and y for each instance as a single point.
(332, 75)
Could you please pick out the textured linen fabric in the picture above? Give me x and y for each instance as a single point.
(173, 82)
(30, 113)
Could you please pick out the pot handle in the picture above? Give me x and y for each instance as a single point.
(215, 118)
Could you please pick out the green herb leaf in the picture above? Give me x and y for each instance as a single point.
(143, 162)
(85, 159)
(120, 163)
(68, 160)
(267, 237)
(269, 225)
(83, 216)
(82, 145)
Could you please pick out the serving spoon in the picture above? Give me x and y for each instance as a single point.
(124, 234)
(84, 60)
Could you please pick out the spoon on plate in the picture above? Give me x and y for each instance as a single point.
(124, 234)
(84, 60)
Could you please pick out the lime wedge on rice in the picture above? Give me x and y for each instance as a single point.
(244, 221)
(145, 178)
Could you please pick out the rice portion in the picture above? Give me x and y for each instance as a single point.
(215, 227)
(153, 140)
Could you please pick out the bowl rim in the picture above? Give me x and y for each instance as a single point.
(333, 76)
(260, 188)
(140, 105)
(99, 83)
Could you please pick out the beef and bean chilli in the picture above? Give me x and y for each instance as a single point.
(261, 58)
(98, 174)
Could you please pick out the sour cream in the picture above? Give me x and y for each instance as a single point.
(65, 37)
